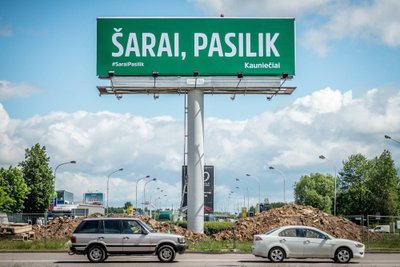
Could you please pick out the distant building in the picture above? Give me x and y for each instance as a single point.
(77, 210)
(64, 197)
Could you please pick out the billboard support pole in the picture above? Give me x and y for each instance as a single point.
(195, 201)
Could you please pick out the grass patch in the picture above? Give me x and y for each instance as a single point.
(54, 244)
(219, 246)
(390, 244)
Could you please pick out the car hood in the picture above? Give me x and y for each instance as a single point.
(165, 235)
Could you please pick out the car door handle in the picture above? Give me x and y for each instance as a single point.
(100, 238)
(283, 240)
(126, 238)
(307, 242)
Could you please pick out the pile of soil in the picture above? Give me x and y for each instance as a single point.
(294, 215)
(244, 229)
(63, 227)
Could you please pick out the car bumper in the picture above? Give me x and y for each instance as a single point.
(358, 254)
(259, 251)
(181, 248)
(77, 250)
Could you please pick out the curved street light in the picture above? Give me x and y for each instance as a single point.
(160, 197)
(108, 182)
(244, 194)
(144, 191)
(284, 181)
(334, 190)
(259, 189)
(55, 170)
(389, 137)
(137, 181)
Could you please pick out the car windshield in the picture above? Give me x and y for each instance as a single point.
(271, 231)
(148, 227)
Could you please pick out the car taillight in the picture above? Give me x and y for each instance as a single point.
(73, 239)
(257, 238)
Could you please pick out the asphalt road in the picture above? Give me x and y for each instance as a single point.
(187, 259)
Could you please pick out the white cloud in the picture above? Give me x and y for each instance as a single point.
(11, 90)
(326, 21)
(328, 122)
(372, 21)
(264, 8)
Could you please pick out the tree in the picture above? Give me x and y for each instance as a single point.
(383, 184)
(39, 178)
(275, 205)
(353, 193)
(315, 190)
(369, 186)
(13, 190)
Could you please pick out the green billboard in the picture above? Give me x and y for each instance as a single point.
(182, 46)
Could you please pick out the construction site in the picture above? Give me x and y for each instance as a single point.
(242, 230)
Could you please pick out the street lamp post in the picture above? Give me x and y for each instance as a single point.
(284, 182)
(137, 181)
(55, 170)
(244, 194)
(334, 186)
(144, 191)
(389, 137)
(55, 173)
(108, 182)
(160, 197)
(259, 189)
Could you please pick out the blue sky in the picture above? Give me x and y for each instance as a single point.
(347, 97)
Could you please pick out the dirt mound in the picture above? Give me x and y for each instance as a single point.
(293, 215)
(244, 229)
(63, 227)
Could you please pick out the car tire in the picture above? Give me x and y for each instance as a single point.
(96, 254)
(276, 254)
(342, 255)
(166, 253)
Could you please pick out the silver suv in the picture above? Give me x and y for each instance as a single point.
(100, 237)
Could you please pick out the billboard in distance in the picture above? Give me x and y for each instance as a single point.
(209, 46)
(93, 198)
(208, 188)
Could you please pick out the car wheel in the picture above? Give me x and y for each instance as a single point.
(96, 254)
(343, 255)
(166, 253)
(276, 254)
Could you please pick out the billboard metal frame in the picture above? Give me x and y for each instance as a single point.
(214, 85)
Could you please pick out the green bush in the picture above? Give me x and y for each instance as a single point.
(182, 224)
(211, 228)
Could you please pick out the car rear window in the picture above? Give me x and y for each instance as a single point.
(87, 227)
(112, 226)
(271, 231)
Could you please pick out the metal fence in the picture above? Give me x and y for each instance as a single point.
(386, 227)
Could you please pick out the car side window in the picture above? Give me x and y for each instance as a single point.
(131, 227)
(88, 227)
(288, 233)
(314, 234)
(112, 227)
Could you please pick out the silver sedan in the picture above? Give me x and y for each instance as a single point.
(304, 242)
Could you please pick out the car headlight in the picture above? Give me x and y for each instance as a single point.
(181, 240)
(359, 245)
